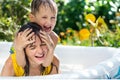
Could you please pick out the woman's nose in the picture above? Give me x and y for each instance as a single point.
(39, 50)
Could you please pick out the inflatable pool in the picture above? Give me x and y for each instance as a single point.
(77, 62)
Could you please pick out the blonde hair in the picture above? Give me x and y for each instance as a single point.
(46, 3)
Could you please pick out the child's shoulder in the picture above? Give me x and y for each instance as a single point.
(56, 59)
(54, 37)
(53, 34)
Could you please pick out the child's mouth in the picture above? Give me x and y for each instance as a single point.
(47, 29)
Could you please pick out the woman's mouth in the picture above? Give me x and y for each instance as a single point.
(40, 57)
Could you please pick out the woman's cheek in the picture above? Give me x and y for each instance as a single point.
(45, 49)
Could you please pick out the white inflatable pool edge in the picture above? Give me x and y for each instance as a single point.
(77, 62)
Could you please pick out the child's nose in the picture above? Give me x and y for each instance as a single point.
(48, 22)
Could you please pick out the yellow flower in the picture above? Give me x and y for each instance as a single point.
(62, 33)
(75, 34)
(68, 31)
(84, 34)
(100, 23)
(59, 39)
(90, 17)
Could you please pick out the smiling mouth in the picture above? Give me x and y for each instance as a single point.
(47, 29)
(41, 56)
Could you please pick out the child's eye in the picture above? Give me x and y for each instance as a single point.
(44, 17)
(52, 17)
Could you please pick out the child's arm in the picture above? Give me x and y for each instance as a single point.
(20, 42)
(55, 61)
(54, 37)
(51, 42)
(56, 64)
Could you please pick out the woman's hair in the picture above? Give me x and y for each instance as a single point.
(36, 4)
(36, 29)
(31, 25)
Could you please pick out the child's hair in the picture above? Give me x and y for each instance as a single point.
(36, 29)
(36, 4)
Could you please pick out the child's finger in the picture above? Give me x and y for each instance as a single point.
(30, 35)
(18, 34)
(43, 33)
(49, 43)
(47, 39)
(26, 32)
(43, 36)
(31, 41)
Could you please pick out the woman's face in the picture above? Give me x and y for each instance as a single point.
(36, 51)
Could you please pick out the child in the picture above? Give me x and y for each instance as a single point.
(44, 13)
(36, 50)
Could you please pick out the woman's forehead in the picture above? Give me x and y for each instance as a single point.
(37, 40)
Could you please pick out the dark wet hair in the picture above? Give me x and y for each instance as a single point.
(31, 25)
(36, 29)
(38, 3)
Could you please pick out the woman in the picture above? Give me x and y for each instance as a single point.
(36, 48)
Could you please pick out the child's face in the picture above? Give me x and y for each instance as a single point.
(36, 52)
(45, 18)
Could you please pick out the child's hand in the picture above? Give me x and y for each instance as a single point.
(50, 46)
(22, 39)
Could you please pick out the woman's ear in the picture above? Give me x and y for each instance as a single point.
(31, 17)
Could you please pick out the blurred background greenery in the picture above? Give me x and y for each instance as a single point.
(80, 22)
